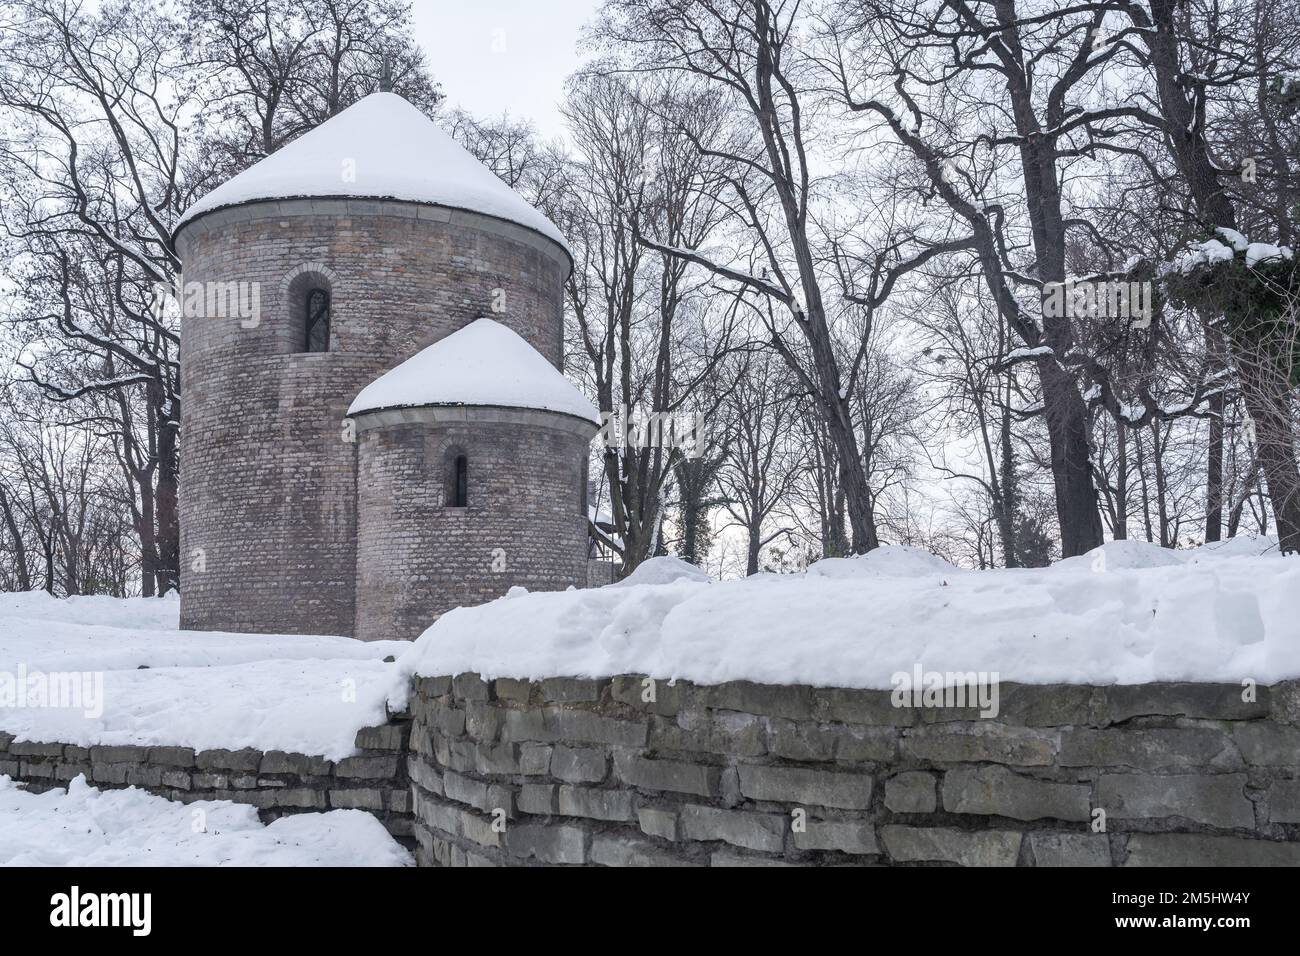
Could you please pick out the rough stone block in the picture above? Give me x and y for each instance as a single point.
(176, 779)
(844, 836)
(211, 781)
(800, 786)
(100, 772)
(910, 792)
(496, 758)
(383, 737)
(368, 768)
(571, 688)
(537, 798)
(1268, 744)
(766, 700)
(1218, 800)
(464, 789)
(300, 797)
(996, 791)
(1069, 849)
(1284, 801)
(32, 748)
(247, 760)
(1195, 849)
(610, 850)
(470, 687)
(657, 823)
(508, 688)
(547, 843)
(1121, 702)
(764, 832)
(983, 742)
(675, 775)
(583, 725)
(979, 848)
(1047, 705)
(172, 756)
(1153, 748)
(361, 799)
(534, 759)
(579, 764)
(144, 776)
(653, 695)
(870, 707)
(483, 721)
(424, 775)
(597, 804)
(697, 730)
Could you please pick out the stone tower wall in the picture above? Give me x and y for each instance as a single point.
(268, 506)
(525, 523)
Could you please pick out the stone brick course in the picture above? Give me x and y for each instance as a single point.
(600, 772)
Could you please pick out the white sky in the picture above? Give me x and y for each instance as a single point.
(503, 55)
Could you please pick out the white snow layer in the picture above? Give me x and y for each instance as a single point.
(1125, 613)
(484, 363)
(84, 826)
(204, 689)
(380, 147)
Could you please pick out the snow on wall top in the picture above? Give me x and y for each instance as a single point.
(484, 363)
(1127, 612)
(380, 147)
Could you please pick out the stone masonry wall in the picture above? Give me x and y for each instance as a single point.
(275, 782)
(592, 772)
(525, 523)
(268, 505)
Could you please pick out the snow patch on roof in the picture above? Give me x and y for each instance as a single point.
(485, 363)
(380, 147)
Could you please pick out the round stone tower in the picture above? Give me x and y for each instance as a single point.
(471, 480)
(305, 278)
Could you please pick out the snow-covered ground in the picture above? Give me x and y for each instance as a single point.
(1126, 613)
(161, 685)
(83, 826)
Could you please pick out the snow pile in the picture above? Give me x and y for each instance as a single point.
(663, 570)
(146, 682)
(485, 363)
(1127, 613)
(1213, 251)
(83, 826)
(380, 147)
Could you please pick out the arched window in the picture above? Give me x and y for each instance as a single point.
(317, 320)
(309, 304)
(457, 478)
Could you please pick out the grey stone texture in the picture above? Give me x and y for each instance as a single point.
(273, 537)
(275, 782)
(743, 774)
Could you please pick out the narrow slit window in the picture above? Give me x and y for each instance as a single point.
(460, 482)
(318, 320)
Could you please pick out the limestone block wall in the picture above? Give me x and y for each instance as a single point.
(627, 771)
(268, 504)
(275, 782)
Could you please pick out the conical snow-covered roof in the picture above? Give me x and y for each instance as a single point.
(380, 147)
(484, 363)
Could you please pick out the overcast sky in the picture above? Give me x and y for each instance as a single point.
(497, 55)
